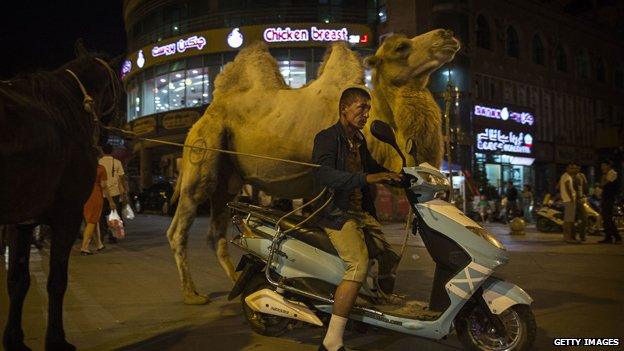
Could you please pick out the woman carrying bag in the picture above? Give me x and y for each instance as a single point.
(93, 210)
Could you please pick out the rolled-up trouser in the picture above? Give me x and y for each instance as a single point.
(581, 215)
(351, 244)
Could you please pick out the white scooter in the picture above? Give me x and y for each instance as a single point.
(290, 271)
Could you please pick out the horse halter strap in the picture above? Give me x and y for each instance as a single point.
(87, 102)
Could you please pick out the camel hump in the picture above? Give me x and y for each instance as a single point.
(253, 67)
(341, 65)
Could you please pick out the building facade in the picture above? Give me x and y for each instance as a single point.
(538, 86)
(176, 48)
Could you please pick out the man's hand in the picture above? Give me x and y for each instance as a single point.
(383, 177)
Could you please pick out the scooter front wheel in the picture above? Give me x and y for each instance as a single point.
(262, 323)
(476, 332)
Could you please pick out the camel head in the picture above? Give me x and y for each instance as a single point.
(400, 60)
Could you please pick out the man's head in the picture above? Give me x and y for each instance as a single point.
(107, 149)
(510, 184)
(571, 168)
(606, 165)
(354, 107)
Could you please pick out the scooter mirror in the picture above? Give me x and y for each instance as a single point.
(382, 131)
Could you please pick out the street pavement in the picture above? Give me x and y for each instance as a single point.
(127, 297)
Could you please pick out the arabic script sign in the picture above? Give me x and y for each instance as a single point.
(504, 114)
(492, 139)
(197, 42)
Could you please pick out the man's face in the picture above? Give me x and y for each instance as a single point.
(605, 167)
(356, 114)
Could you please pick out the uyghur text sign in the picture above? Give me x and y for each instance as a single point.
(492, 139)
(504, 114)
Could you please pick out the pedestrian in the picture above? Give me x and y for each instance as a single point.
(610, 188)
(512, 200)
(526, 197)
(581, 187)
(117, 188)
(92, 211)
(568, 198)
(483, 206)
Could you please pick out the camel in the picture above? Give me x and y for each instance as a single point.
(254, 111)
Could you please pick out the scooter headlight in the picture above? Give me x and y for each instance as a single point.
(482, 232)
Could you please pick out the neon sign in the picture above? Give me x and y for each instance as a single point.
(495, 140)
(197, 42)
(140, 59)
(235, 39)
(504, 114)
(126, 67)
(285, 35)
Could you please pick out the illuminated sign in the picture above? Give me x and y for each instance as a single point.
(517, 160)
(140, 59)
(126, 67)
(492, 139)
(179, 46)
(504, 114)
(285, 35)
(235, 39)
(291, 35)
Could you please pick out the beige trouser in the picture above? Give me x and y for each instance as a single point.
(351, 245)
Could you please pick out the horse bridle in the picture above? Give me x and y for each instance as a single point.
(88, 101)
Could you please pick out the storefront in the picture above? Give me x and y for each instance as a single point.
(169, 83)
(504, 144)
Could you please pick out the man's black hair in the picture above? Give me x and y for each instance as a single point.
(349, 96)
(107, 149)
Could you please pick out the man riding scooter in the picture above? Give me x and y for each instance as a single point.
(348, 169)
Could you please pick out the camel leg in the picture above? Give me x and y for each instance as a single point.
(178, 239)
(198, 180)
(18, 282)
(65, 228)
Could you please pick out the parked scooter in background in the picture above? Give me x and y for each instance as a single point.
(549, 217)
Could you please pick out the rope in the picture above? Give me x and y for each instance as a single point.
(134, 135)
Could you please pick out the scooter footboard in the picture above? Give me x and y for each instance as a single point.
(500, 295)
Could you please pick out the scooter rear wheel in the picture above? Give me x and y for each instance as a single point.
(476, 333)
(262, 323)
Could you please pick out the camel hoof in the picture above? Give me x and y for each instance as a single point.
(59, 345)
(196, 299)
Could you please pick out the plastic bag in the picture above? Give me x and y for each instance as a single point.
(116, 224)
(127, 212)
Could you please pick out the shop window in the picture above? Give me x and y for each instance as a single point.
(177, 90)
(134, 103)
(483, 33)
(383, 14)
(149, 88)
(619, 78)
(294, 73)
(368, 78)
(538, 50)
(513, 43)
(600, 70)
(562, 59)
(582, 64)
(195, 86)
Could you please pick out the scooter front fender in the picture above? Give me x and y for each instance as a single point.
(499, 295)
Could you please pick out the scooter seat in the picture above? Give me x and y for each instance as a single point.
(308, 233)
